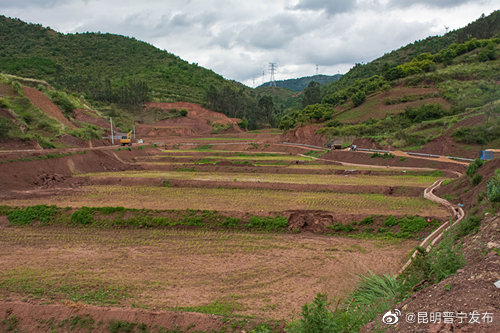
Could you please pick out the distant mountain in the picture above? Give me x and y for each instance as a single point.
(301, 83)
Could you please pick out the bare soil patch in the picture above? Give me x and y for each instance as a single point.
(263, 275)
(45, 104)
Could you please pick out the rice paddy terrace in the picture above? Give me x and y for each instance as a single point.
(235, 230)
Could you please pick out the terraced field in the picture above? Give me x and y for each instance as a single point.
(214, 231)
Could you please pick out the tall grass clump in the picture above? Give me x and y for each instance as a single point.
(375, 294)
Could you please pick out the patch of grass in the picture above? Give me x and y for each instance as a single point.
(42, 213)
(384, 155)
(316, 153)
(268, 223)
(10, 321)
(185, 169)
(203, 147)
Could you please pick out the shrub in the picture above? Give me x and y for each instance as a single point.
(4, 103)
(366, 221)
(83, 216)
(231, 222)
(445, 259)
(476, 179)
(340, 227)
(472, 168)
(358, 98)
(317, 317)
(493, 187)
(43, 142)
(466, 226)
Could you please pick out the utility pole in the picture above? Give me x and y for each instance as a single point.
(112, 134)
(134, 132)
(272, 68)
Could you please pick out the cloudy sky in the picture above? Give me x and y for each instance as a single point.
(238, 39)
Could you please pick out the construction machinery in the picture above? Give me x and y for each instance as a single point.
(127, 140)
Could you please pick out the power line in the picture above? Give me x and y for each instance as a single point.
(272, 68)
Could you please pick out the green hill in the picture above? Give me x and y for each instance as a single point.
(301, 83)
(444, 93)
(483, 28)
(112, 69)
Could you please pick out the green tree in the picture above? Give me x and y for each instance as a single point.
(358, 98)
(267, 106)
(312, 94)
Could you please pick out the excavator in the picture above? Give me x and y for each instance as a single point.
(127, 140)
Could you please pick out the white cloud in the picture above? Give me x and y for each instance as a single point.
(238, 39)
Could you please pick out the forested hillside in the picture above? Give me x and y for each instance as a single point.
(118, 70)
(301, 83)
(483, 28)
(443, 95)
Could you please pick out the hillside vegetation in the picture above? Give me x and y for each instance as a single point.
(418, 100)
(119, 73)
(301, 83)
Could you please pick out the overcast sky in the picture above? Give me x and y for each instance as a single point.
(238, 39)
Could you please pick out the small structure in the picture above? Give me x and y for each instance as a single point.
(489, 154)
(335, 144)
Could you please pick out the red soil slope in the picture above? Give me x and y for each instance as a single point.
(91, 117)
(197, 122)
(45, 104)
(305, 134)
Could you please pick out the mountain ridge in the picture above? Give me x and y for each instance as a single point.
(299, 84)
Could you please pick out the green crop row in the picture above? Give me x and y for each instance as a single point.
(110, 217)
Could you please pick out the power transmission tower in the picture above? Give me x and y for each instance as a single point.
(272, 68)
(317, 69)
(446, 28)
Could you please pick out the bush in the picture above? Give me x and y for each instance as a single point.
(43, 142)
(5, 103)
(83, 216)
(358, 98)
(466, 226)
(317, 317)
(445, 259)
(476, 179)
(366, 221)
(493, 187)
(472, 168)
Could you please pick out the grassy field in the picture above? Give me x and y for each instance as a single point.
(242, 157)
(354, 180)
(241, 200)
(213, 272)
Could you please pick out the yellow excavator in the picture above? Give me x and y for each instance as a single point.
(127, 140)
